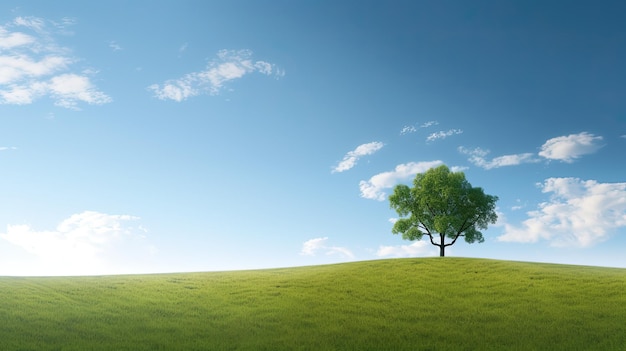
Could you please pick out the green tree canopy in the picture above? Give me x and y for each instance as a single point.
(442, 204)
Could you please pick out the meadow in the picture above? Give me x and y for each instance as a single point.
(400, 304)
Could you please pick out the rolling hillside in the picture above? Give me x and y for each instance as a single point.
(402, 304)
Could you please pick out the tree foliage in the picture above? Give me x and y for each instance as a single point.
(442, 204)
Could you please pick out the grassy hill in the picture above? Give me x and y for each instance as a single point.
(403, 304)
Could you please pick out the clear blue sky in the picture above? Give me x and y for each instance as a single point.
(169, 136)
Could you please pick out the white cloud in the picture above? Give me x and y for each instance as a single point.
(458, 168)
(318, 245)
(33, 66)
(408, 130)
(64, 22)
(443, 134)
(579, 213)
(412, 129)
(35, 23)
(10, 40)
(229, 65)
(350, 159)
(82, 244)
(477, 157)
(568, 148)
(68, 89)
(114, 45)
(416, 249)
(374, 188)
(19, 70)
(519, 205)
(4, 148)
(429, 124)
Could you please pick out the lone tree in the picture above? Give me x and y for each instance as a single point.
(442, 204)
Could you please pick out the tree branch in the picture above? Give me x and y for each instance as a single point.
(460, 232)
(430, 235)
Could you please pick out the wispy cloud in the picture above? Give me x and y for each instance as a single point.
(319, 245)
(570, 147)
(182, 49)
(228, 66)
(443, 134)
(519, 205)
(563, 148)
(351, 158)
(416, 249)
(83, 243)
(579, 213)
(5, 148)
(33, 65)
(408, 130)
(412, 128)
(114, 45)
(63, 25)
(34, 23)
(375, 187)
(429, 124)
(477, 157)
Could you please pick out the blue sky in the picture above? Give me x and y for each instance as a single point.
(172, 136)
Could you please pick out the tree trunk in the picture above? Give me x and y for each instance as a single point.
(442, 250)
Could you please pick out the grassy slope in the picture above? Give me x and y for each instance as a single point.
(404, 304)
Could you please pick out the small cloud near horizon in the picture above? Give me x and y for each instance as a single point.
(421, 248)
(86, 242)
(319, 245)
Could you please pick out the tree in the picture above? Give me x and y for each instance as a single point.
(442, 204)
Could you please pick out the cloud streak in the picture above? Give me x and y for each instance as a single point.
(319, 245)
(579, 213)
(443, 134)
(114, 45)
(408, 130)
(477, 157)
(375, 187)
(351, 158)
(229, 65)
(564, 148)
(33, 65)
(412, 129)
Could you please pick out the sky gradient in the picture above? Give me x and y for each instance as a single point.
(176, 136)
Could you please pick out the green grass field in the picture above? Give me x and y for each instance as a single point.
(403, 304)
